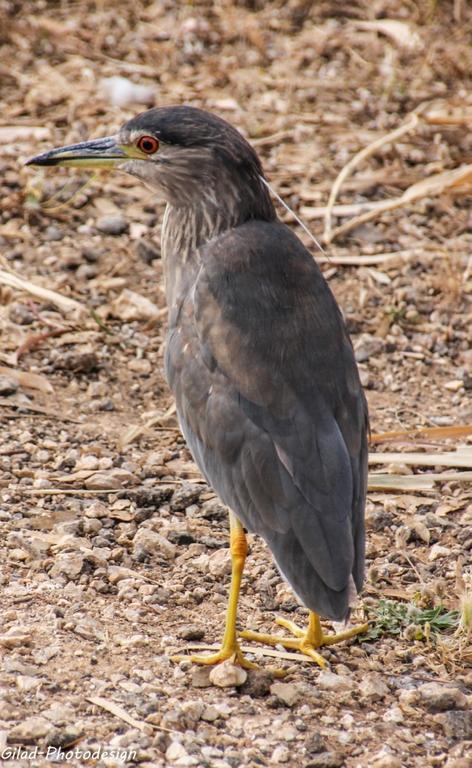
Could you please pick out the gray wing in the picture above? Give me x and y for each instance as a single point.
(270, 402)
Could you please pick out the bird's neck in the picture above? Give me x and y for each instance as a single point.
(186, 228)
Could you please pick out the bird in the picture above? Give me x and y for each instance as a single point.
(260, 363)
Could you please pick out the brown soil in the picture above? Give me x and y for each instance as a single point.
(125, 561)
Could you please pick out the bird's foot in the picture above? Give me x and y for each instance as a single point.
(234, 655)
(307, 641)
(232, 652)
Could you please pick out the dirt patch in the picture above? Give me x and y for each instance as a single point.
(114, 550)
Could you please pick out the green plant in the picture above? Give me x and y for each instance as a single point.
(417, 623)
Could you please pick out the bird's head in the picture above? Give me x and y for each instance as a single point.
(183, 152)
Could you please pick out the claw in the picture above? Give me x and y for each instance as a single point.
(305, 641)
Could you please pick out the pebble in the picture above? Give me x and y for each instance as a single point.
(7, 386)
(227, 675)
(393, 715)
(288, 693)
(454, 385)
(63, 737)
(97, 509)
(258, 683)
(121, 92)
(437, 551)
(281, 754)
(328, 681)
(78, 362)
(210, 714)
(147, 542)
(315, 743)
(129, 306)
(367, 346)
(191, 632)
(383, 760)
(219, 563)
(53, 233)
(87, 462)
(27, 683)
(287, 733)
(16, 637)
(435, 697)
(201, 677)
(193, 710)
(326, 760)
(373, 688)
(112, 225)
(112, 479)
(30, 730)
(59, 713)
(457, 724)
(175, 751)
(69, 564)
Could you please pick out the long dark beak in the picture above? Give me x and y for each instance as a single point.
(99, 153)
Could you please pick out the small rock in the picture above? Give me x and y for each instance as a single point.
(326, 760)
(87, 462)
(227, 674)
(129, 306)
(175, 751)
(26, 683)
(210, 714)
(63, 737)
(257, 684)
(287, 733)
(16, 637)
(112, 479)
(454, 385)
(384, 760)
(367, 346)
(90, 629)
(7, 386)
(60, 713)
(78, 362)
(281, 754)
(147, 251)
(116, 573)
(53, 233)
(69, 564)
(30, 730)
(193, 710)
(112, 225)
(328, 681)
(287, 693)
(219, 563)
(315, 744)
(437, 551)
(97, 509)
(457, 724)
(373, 688)
(435, 697)
(147, 542)
(191, 632)
(201, 677)
(120, 91)
(393, 715)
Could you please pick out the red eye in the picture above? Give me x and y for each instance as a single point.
(147, 144)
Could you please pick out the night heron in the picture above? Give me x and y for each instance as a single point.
(259, 360)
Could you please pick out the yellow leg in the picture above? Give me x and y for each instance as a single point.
(230, 647)
(305, 641)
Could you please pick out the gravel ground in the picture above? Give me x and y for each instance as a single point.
(114, 551)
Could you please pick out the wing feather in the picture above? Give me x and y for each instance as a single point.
(277, 419)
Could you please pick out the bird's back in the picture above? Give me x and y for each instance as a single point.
(269, 400)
